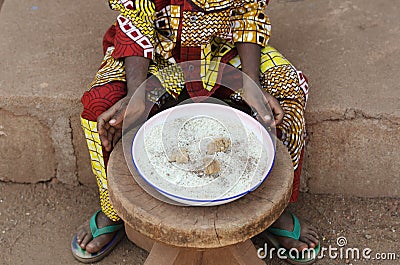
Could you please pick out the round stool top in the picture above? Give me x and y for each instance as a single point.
(200, 227)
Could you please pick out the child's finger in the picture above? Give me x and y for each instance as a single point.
(116, 137)
(263, 115)
(103, 119)
(110, 136)
(265, 118)
(278, 118)
(118, 116)
(277, 112)
(104, 139)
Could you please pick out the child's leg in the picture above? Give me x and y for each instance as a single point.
(107, 88)
(279, 78)
(289, 86)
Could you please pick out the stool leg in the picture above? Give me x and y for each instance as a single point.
(162, 254)
(167, 255)
(140, 240)
(246, 254)
(239, 254)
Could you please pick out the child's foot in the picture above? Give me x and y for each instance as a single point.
(308, 234)
(84, 235)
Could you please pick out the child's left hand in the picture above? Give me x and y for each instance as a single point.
(254, 95)
(259, 101)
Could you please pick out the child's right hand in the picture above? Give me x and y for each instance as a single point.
(109, 123)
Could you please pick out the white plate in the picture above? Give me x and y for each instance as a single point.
(209, 194)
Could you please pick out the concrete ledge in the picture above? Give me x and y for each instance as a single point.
(349, 51)
(25, 143)
(353, 156)
(49, 54)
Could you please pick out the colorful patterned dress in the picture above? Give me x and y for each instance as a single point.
(175, 31)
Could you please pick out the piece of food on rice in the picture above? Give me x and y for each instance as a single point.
(212, 166)
(220, 144)
(180, 156)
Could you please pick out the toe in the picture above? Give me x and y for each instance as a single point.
(290, 243)
(311, 236)
(98, 243)
(93, 246)
(81, 232)
(314, 235)
(313, 229)
(308, 241)
(80, 235)
(314, 239)
(85, 241)
(300, 246)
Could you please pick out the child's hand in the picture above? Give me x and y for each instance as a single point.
(259, 100)
(276, 109)
(109, 123)
(250, 55)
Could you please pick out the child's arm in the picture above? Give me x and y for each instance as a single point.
(137, 58)
(109, 123)
(251, 31)
(250, 54)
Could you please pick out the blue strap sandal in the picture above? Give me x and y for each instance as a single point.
(86, 257)
(292, 257)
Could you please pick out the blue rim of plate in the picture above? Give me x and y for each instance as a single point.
(199, 200)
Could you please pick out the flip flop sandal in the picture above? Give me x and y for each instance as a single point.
(86, 257)
(301, 258)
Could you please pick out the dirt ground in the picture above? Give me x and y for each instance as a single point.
(37, 222)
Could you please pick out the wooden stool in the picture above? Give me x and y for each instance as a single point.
(217, 235)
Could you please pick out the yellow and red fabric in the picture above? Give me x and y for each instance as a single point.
(173, 31)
